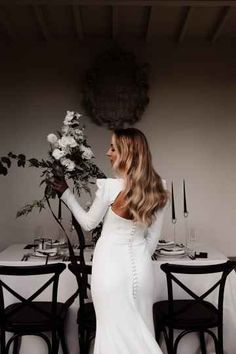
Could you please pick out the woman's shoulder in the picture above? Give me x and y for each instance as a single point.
(109, 182)
(164, 183)
(109, 188)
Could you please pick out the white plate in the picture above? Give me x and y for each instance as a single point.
(171, 256)
(172, 253)
(47, 250)
(166, 243)
(59, 243)
(41, 255)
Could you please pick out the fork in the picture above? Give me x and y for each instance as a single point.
(25, 257)
(191, 256)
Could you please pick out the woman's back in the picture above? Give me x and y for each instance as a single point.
(122, 281)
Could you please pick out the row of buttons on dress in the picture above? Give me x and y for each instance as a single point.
(133, 264)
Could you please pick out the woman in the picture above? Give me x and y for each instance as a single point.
(122, 277)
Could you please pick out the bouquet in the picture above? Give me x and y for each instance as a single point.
(69, 156)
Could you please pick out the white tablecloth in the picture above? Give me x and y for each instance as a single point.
(67, 285)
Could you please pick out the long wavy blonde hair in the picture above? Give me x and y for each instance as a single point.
(144, 193)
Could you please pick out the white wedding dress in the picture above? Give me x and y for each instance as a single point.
(122, 274)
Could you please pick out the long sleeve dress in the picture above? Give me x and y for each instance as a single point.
(122, 273)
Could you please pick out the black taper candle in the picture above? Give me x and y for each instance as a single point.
(59, 210)
(173, 204)
(185, 201)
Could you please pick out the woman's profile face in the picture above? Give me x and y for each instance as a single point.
(112, 153)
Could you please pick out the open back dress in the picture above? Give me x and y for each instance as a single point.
(122, 273)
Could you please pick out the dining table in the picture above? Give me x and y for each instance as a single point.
(14, 254)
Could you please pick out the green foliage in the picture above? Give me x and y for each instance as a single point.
(26, 209)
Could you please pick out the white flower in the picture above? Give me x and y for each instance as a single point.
(79, 131)
(67, 141)
(70, 165)
(57, 154)
(77, 115)
(69, 117)
(52, 138)
(87, 153)
(79, 135)
(65, 129)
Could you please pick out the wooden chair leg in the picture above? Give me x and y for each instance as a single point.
(61, 333)
(81, 334)
(16, 345)
(167, 342)
(2, 342)
(157, 329)
(15, 338)
(89, 337)
(55, 343)
(202, 342)
(171, 341)
(220, 340)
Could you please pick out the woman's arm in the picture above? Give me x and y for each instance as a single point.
(154, 231)
(89, 219)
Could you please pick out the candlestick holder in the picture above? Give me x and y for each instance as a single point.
(186, 230)
(174, 234)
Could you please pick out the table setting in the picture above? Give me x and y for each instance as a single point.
(55, 251)
(170, 249)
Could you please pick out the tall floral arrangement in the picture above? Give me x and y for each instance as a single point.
(69, 156)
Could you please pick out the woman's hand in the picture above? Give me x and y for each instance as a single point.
(59, 185)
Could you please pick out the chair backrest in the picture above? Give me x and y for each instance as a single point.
(81, 273)
(172, 269)
(23, 271)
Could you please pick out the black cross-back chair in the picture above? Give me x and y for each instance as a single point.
(194, 314)
(86, 318)
(30, 317)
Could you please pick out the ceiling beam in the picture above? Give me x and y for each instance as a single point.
(184, 24)
(220, 24)
(149, 20)
(114, 22)
(162, 3)
(6, 24)
(78, 22)
(38, 12)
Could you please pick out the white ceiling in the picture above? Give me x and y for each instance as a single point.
(35, 20)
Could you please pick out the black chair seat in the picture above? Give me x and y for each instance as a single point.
(87, 318)
(31, 319)
(194, 317)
